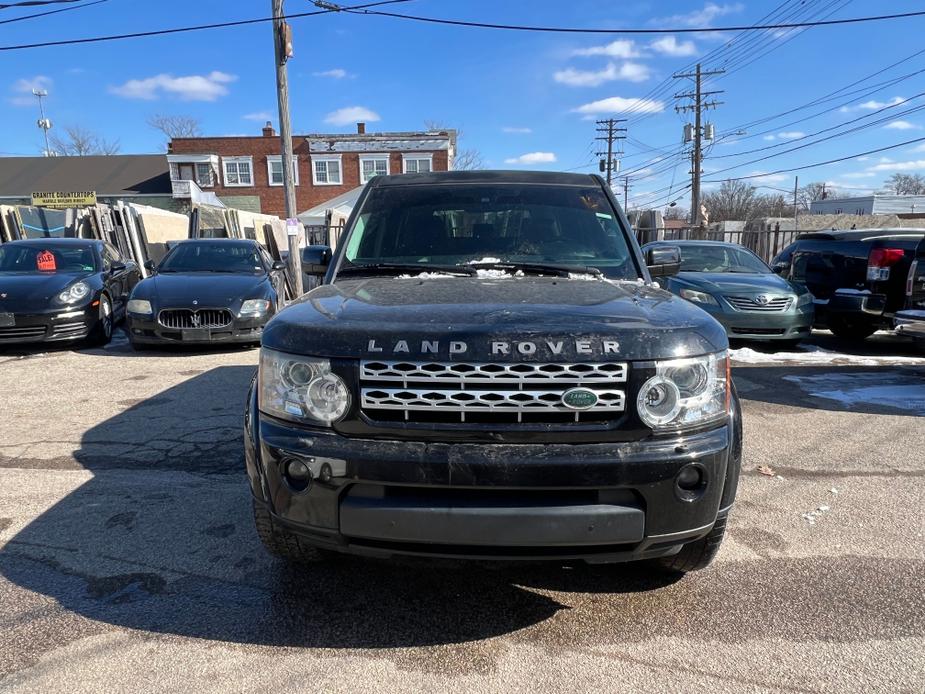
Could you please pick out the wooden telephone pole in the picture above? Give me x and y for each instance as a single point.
(610, 135)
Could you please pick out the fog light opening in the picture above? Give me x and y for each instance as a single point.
(691, 482)
(297, 473)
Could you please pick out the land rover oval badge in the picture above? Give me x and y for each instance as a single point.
(579, 399)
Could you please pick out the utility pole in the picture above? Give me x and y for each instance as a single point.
(626, 191)
(282, 43)
(610, 131)
(796, 209)
(44, 123)
(698, 107)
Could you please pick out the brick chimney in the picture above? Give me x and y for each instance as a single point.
(268, 130)
(361, 128)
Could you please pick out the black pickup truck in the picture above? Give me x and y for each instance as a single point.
(911, 320)
(488, 371)
(858, 277)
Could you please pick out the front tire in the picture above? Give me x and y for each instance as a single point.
(102, 331)
(279, 541)
(698, 554)
(850, 328)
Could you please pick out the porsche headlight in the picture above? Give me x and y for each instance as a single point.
(254, 307)
(301, 388)
(76, 292)
(698, 297)
(686, 393)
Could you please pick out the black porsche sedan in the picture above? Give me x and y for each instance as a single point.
(206, 291)
(58, 290)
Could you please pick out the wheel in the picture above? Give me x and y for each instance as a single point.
(696, 555)
(851, 329)
(279, 541)
(102, 331)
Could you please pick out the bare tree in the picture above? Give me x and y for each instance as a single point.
(79, 142)
(676, 212)
(175, 126)
(733, 201)
(813, 192)
(465, 159)
(906, 184)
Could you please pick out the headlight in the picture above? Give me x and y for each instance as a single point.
(76, 292)
(686, 393)
(698, 297)
(804, 299)
(254, 307)
(301, 388)
(140, 306)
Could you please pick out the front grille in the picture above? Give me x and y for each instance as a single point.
(747, 303)
(180, 318)
(23, 333)
(489, 393)
(758, 331)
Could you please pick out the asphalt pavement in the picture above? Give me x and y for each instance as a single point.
(129, 562)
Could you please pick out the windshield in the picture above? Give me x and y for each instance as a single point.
(450, 225)
(709, 258)
(213, 257)
(38, 260)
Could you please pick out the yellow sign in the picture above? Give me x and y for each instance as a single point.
(61, 200)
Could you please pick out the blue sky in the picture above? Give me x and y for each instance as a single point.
(523, 100)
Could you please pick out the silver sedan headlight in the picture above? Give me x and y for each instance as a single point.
(142, 307)
(804, 299)
(303, 389)
(254, 307)
(686, 393)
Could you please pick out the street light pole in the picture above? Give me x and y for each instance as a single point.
(282, 41)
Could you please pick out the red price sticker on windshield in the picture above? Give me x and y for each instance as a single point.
(45, 262)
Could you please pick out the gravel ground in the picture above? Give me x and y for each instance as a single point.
(128, 559)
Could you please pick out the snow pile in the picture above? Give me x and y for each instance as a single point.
(485, 261)
(853, 389)
(818, 355)
(586, 276)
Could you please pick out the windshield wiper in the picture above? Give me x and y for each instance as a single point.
(405, 268)
(540, 268)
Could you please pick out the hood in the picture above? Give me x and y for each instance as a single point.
(536, 319)
(737, 283)
(207, 289)
(34, 292)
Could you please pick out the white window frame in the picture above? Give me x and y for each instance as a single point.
(210, 183)
(295, 169)
(327, 157)
(237, 160)
(405, 158)
(374, 158)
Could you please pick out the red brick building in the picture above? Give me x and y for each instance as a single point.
(246, 172)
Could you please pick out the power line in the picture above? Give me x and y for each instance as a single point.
(34, 3)
(821, 163)
(675, 30)
(51, 12)
(179, 30)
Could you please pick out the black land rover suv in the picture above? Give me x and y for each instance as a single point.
(487, 371)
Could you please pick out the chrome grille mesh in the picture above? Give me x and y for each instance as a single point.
(491, 392)
(747, 303)
(180, 318)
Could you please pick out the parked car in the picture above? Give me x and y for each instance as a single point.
(911, 320)
(488, 372)
(62, 290)
(205, 291)
(739, 290)
(858, 277)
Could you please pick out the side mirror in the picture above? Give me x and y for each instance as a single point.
(279, 265)
(663, 261)
(780, 268)
(150, 265)
(315, 260)
(117, 267)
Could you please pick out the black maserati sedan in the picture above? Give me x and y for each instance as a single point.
(57, 290)
(206, 291)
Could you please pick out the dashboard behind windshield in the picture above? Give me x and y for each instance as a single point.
(449, 225)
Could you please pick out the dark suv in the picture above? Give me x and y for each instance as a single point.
(488, 371)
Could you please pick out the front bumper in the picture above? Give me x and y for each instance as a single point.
(146, 330)
(64, 325)
(910, 324)
(600, 502)
(793, 324)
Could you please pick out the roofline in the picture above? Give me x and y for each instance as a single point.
(419, 135)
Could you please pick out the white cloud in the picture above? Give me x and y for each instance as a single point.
(533, 158)
(862, 159)
(516, 131)
(873, 105)
(762, 177)
(919, 148)
(351, 114)
(859, 174)
(791, 134)
(915, 165)
(884, 160)
(22, 89)
(669, 45)
(336, 73)
(702, 17)
(769, 138)
(621, 48)
(186, 88)
(620, 104)
(261, 116)
(631, 72)
(902, 125)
